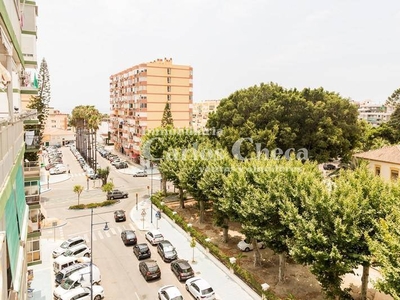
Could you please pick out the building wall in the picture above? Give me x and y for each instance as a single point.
(385, 170)
(201, 111)
(56, 120)
(18, 57)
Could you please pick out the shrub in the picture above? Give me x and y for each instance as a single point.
(78, 206)
(92, 205)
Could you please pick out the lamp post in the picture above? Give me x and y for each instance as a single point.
(91, 248)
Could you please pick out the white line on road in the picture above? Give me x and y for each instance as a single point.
(100, 235)
(137, 296)
(107, 233)
(113, 231)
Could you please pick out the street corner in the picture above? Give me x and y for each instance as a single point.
(50, 223)
(140, 215)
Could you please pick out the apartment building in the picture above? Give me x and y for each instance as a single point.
(19, 179)
(373, 113)
(56, 120)
(201, 110)
(138, 96)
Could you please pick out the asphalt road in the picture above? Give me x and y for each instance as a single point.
(118, 265)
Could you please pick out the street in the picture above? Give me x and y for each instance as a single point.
(121, 278)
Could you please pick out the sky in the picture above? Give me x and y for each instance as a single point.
(351, 47)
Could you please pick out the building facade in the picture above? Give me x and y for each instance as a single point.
(138, 97)
(201, 110)
(56, 120)
(375, 114)
(19, 180)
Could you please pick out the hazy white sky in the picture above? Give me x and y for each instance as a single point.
(348, 46)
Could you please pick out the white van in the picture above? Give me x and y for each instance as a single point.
(62, 262)
(79, 278)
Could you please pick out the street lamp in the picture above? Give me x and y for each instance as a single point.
(91, 248)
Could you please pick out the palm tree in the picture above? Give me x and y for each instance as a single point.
(78, 189)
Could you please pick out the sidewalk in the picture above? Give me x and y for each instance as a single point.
(226, 284)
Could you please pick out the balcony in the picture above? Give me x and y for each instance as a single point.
(32, 143)
(32, 199)
(32, 169)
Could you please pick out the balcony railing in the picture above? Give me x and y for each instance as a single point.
(31, 169)
(32, 199)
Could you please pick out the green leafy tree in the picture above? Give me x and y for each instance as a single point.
(394, 99)
(320, 121)
(158, 141)
(78, 189)
(192, 166)
(332, 233)
(212, 185)
(386, 250)
(170, 167)
(167, 117)
(108, 187)
(40, 102)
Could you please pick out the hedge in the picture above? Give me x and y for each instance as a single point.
(94, 205)
(243, 274)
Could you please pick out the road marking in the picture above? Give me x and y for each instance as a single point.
(107, 234)
(137, 296)
(100, 235)
(113, 231)
(132, 227)
(119, 230)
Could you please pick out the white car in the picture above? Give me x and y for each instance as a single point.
(84, 293)
(57, 170)
(247, 245)
(81, 250)
(74, 241)
(154, 237)
(169, 292)
(200, 289)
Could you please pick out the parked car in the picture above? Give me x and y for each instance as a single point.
(200, 289)
(74, 241)
(329, 167)
(169, 292)
(140, 174)
(121, 165)
(149, 269)
(63, 274)
(58, 170)
(80, 278)
(83, 293)
(129, 237)
(182, 269)
(116, 194)
(167, 251)
(78, 251)
(141, 251)
(246, 245)
(119, 215)
(154, 237)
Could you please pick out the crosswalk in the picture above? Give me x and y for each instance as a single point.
(78, 174)
(100, 234)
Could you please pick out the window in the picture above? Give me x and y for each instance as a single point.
(378, 170)
(168, 88)
(394, 174)
(169, 79)
(169, 71)
(168, 97)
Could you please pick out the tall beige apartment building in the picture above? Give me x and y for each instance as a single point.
(138, 96)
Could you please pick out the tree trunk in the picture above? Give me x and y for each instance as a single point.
(282, 267)
(225, 235)
(164, 185)
(181, 200)
(202, 209)
(364, 281)
(257, 254)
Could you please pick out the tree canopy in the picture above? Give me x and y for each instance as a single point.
(322, 122)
